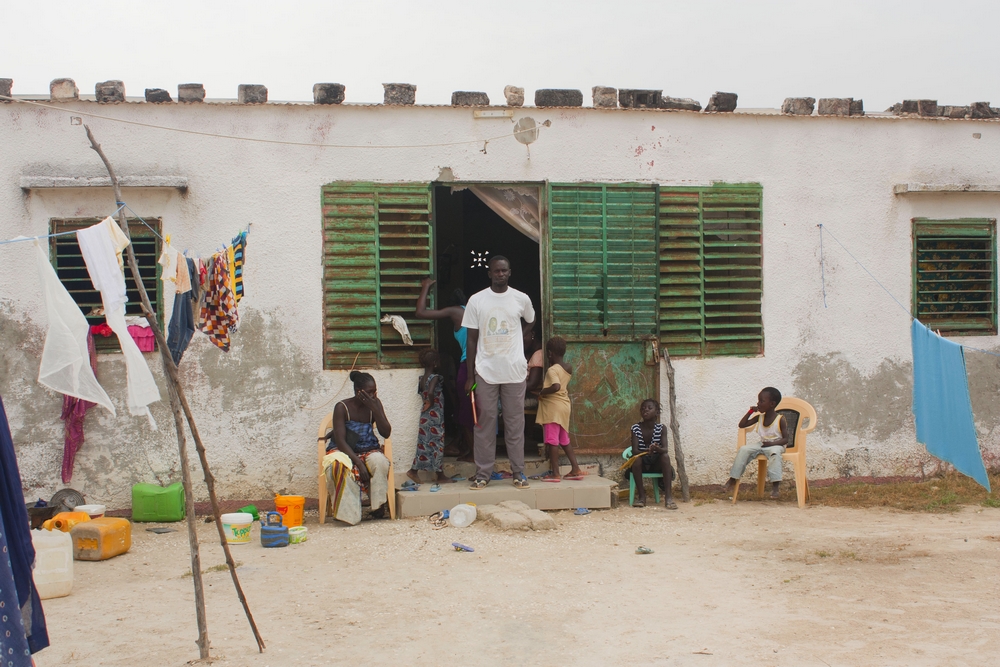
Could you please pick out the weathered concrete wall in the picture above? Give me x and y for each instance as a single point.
(851, 359)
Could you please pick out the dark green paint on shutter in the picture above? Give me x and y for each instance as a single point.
(377, 246)
(954, 275)
(711, 270)
(602, 261)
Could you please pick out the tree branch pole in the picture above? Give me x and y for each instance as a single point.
(675, 427)
(177, 396)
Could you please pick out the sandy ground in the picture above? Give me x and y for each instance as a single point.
(754, 584)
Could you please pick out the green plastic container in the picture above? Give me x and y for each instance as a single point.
(159, 504)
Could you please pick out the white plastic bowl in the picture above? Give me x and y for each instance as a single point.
(95, 511)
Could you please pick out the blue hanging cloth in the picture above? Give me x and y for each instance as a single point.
(941, 403)
(22, 622)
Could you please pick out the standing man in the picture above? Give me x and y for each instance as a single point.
(497, 367)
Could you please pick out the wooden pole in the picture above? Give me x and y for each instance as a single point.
(675, 428)
(179, 403)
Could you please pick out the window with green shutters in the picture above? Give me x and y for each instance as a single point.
(602, 261)
(72, 271)
(955, 275)
(377, 246)
(710, 270)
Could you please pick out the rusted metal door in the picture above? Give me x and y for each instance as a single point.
(601, 289)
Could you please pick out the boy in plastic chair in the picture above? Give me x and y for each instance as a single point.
(773, 432)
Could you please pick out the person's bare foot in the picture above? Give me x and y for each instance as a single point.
(412, 474)
(444, 479)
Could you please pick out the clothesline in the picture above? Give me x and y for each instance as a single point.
(463, 142)
(823, 228)
(18, 239)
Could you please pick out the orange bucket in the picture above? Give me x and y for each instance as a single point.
(290, 508)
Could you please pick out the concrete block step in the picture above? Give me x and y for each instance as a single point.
(592, 492)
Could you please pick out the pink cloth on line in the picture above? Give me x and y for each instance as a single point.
(73, 413)
(143, 337)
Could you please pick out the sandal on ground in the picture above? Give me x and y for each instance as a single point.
(670, 505)
(575, 478)
(642, 551)
(638, 503)
(521, 482)
(478, 484)
(550, 478)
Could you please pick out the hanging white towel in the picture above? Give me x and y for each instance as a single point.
(399, 324)
(168, 260)
(101, 248)
(65, 363)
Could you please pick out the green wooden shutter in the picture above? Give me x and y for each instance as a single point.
(72, 270)
(602, 261)
(954, 275)
(377, 246)
(711, 270)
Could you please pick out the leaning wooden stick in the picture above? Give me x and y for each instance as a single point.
(179, 403)
(675, 427)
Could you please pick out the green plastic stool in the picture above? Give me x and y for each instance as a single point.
(627, 454)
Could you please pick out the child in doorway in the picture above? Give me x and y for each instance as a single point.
(553, 411)
(649, 454)
(773, 432)
(430, 432)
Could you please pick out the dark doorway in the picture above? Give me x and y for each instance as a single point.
(464, 224)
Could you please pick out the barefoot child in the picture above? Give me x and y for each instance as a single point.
(649, 454)
(430, 433)
(553, 411)
(773, 433)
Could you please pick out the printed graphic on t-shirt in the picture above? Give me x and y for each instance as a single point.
(499, 336)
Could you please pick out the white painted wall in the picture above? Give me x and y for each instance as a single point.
(252, 404)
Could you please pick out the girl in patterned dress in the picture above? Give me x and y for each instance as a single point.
(430, 433)
(649, 454)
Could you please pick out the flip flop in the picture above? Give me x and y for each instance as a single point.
(642, 551)
(457, 478)
(435, 488)
(462, 547)
(638, 503)
(580, 511)
(575, 478)
(548, 478)
(409, 484)
(670, 506)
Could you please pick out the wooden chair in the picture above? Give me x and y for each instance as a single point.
(325, 504)
(627, 454)
(801, 420)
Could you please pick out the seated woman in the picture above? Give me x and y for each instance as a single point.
(354, 461)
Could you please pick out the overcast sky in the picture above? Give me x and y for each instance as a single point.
(880, 51)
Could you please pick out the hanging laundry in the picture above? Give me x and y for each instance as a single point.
(238, 258)
(101, 330)
(73, 413)
(22, 623)
(219, 315)
(99, 246)
(181, 328)
(183, 277)
(65, 363)
(202, 272)
(941, 403)
(399, 324)
(168, 261)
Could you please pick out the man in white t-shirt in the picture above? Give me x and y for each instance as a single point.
(497, 367)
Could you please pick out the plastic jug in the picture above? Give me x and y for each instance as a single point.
(158, 503)
(101, 539)
(64, 521)
(462, 515)
(272, 533)
(53, 571)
